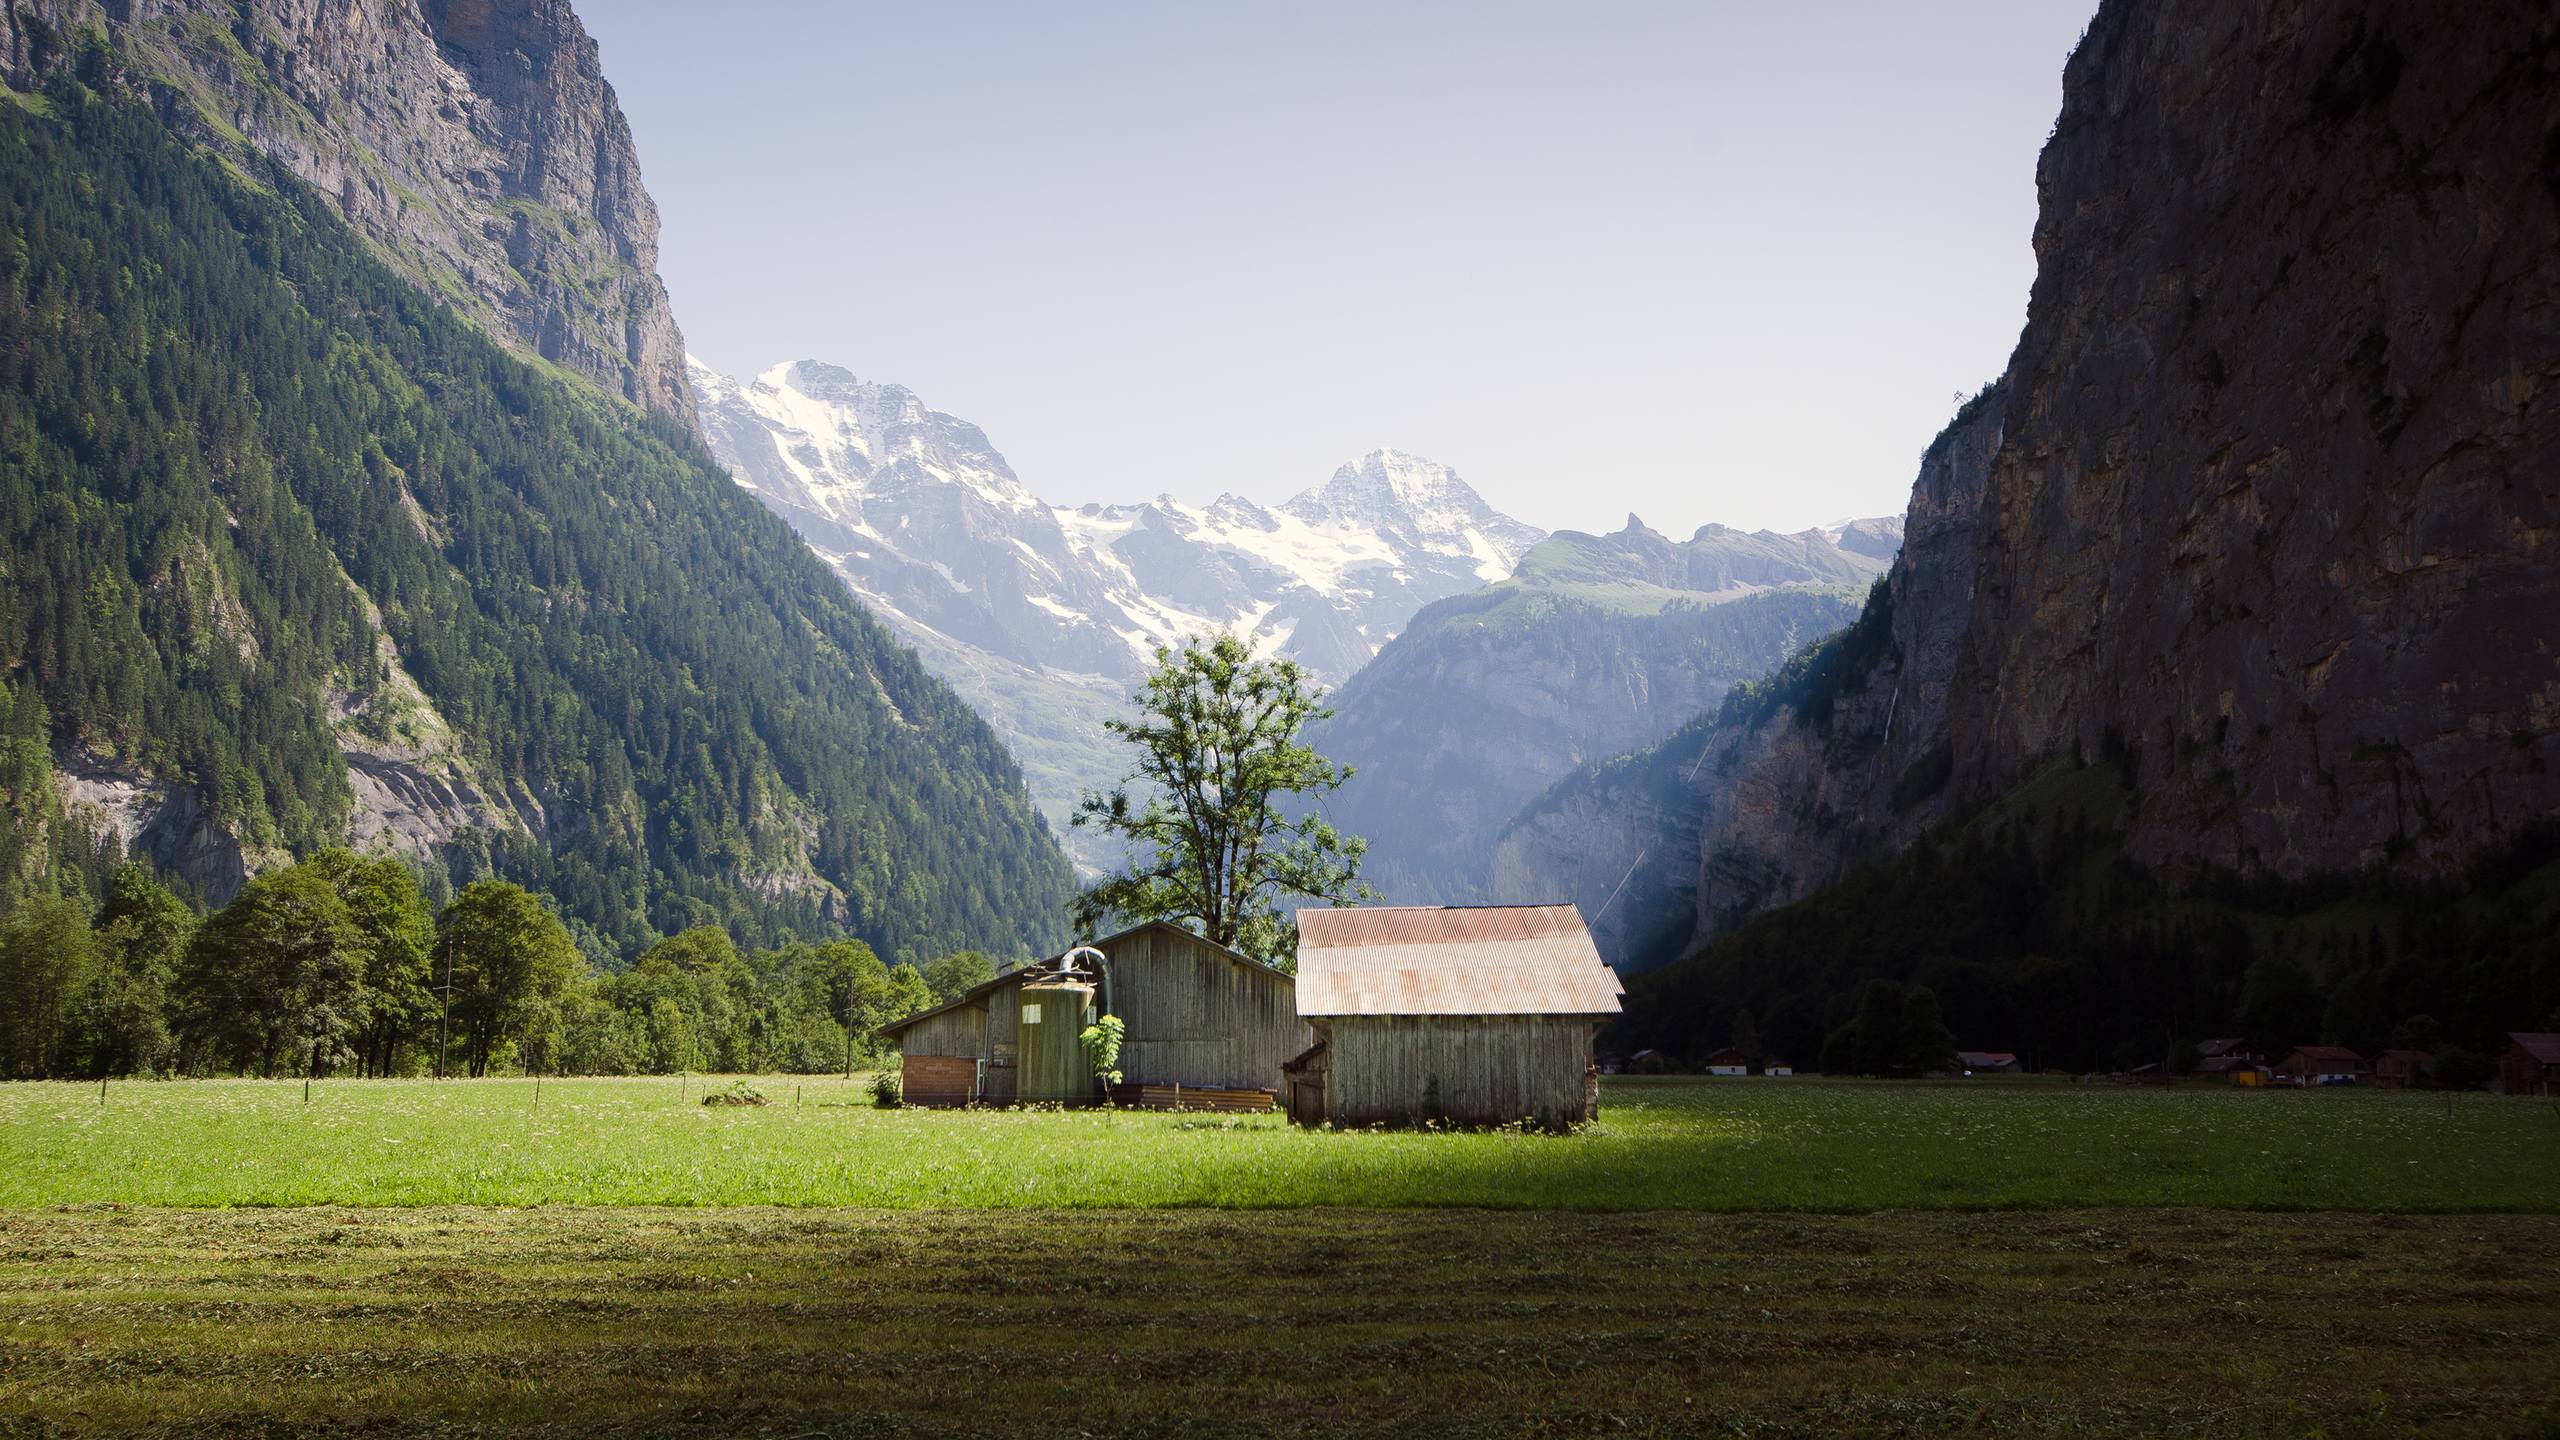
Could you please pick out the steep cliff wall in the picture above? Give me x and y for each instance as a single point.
(474, 143)
(2264, 508)
(2278, 509)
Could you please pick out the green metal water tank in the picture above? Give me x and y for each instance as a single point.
(1054, 1069)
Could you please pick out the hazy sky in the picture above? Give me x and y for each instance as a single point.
(1703, 262)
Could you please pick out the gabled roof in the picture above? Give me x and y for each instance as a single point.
(2211, 1049)
(2542, 1047)
(1727, 1056)
(982, 990)
(1977, 1059)
(2328, 1052)
(1451, 960)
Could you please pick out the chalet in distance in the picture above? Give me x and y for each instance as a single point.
(2324, 1065)
(1475, 1015)
(2531, 1065)
(1214, 1022)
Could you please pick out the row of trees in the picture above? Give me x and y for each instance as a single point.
(336, 965)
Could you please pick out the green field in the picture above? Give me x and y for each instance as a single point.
(1660, 1145)
(408, 1258)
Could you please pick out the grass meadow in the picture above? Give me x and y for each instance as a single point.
(1782, 1145)
(1762, 1258)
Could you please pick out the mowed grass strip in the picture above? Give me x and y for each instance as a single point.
(1803, 1145)
(1157, 1323)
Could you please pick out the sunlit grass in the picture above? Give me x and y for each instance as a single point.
(1716, 1145)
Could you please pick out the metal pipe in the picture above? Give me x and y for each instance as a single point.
(1101, 970)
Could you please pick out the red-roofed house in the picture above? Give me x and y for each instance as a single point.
(2532, 1064)
(1727, 1061)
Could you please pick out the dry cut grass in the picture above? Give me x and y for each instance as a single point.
(1199, 1323)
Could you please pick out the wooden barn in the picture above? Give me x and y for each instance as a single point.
(2404, 1069)
(2531, 1065)
(1477, 1015)
(1212, 1021)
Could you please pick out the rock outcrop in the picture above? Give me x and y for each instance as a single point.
(475, 143)
(2263, 510)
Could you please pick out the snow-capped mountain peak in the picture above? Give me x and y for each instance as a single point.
(1034, 610)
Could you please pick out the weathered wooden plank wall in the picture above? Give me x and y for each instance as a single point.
(1489, 1069)
(953, 1032)
(1196, 1017)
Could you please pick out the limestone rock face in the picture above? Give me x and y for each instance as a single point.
(474, 142)
(2265, 506)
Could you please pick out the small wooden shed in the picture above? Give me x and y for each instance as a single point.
(1473, 1015)
(1215, 1022)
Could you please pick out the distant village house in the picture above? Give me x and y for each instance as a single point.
(2404, 1069)
(2531, 1065)
(2324, 1065)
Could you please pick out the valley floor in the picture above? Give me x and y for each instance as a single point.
(1179, 1323)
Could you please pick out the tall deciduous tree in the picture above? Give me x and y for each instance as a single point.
(143, 934)
(383, 901)
(278, 974)
(47, 959)
(1220, 749)
(512, 961)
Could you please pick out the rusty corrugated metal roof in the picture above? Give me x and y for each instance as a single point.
(1453, 960)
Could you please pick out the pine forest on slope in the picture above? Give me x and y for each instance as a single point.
(297, 556)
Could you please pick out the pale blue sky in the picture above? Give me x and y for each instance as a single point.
(1703, 262)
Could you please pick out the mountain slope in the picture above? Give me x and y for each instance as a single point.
(1598, 645)
(2254, 539)
(1046, 616)
(475, 146)
(294, 554)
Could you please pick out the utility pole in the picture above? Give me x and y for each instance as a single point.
(444, 1012)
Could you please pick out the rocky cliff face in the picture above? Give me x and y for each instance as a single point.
(2263, 507)
(475, 143)
(2276, 511)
